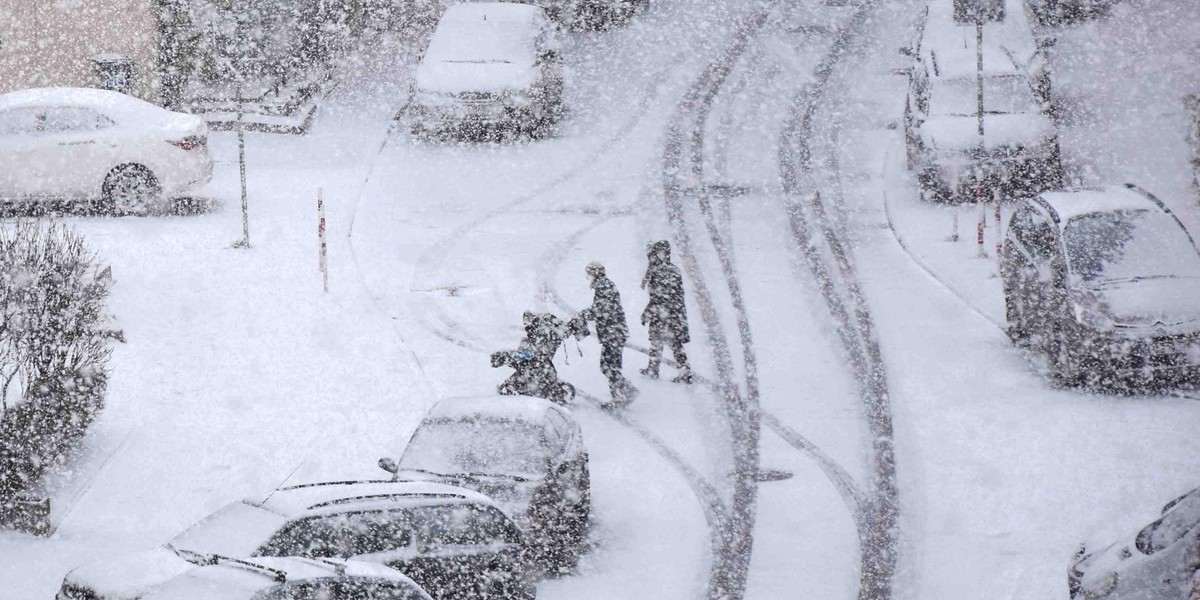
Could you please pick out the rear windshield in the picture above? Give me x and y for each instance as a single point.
(1007, 94)
(354, 534)
(1128, 244)
(482, 445)
(470, 39)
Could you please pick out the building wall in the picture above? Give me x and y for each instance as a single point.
(47, 43)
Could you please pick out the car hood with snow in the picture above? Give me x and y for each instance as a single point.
(1161, 305)
(125, 577)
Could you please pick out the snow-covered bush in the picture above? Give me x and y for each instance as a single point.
(53, 347)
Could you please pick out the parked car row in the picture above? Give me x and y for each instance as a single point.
(977, 112)
(428, 532)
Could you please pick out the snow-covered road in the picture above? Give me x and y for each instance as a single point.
(239, 373)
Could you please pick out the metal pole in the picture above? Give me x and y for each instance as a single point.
(241, 133)
(979, 75)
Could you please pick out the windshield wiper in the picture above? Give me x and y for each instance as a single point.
(196, 558)
(516, 478)
(480, 61)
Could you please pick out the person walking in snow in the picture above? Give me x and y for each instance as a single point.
(611, 331)
(665, 314)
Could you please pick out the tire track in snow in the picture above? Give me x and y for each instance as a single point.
(838, 284)
(842, 481)
(732, 562)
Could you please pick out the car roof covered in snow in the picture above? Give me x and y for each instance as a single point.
(332, 497)
(516, 408)
(239, 579)
(120, 107)
(1075, 202)
(486, 31)
(1007, 44)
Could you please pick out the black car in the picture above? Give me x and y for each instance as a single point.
(526, 454)
(1106, 283)
(453, 542)
(1160, 562)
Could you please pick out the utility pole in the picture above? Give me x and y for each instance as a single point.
(239, 73)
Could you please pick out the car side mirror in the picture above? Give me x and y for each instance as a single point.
(1046, 43)
(389, 465)
(549, 55)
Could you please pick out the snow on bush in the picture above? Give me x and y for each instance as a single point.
(53, 347)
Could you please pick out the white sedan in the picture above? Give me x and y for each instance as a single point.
(122, 154)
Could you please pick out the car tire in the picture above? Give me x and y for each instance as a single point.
(1014, 314)
(129, 190)
(1058, 354)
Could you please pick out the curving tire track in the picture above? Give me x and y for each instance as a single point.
(820, 242)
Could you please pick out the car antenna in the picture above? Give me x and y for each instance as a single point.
(285, 480)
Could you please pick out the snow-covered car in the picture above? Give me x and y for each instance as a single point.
(525, 453)
(1106, 283)
(455, 543)
(119, 153)
(489, 64)
(1058, 12)
(1018, 147)
(1160, 562)
(276, 578)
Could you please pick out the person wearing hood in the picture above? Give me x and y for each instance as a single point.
(611, 331)
(666, 314)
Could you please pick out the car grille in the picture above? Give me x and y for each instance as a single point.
(71, 591)
(477, 97)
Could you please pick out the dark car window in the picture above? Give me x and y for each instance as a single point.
(1124, 244)
(20, 121)
(1182, 517)
(1035, 233)
(354, 534)
(341, 589)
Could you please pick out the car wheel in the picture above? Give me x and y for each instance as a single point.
(1017, 329)
(129, 190)
(1062, 372)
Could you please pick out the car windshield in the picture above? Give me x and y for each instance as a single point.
(1127, 245)
(235, 530)
(1180, 519)
(484, 445)
(496, 40)
(347, 535)
(1004, 94)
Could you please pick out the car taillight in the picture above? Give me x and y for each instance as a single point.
(190, 142)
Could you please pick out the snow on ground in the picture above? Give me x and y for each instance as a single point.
(240, 374)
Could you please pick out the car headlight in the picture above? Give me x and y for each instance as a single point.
(517, 98)
(1102, 588)
(427, 98)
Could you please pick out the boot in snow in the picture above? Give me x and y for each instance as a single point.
(684, 377)
(650, 372)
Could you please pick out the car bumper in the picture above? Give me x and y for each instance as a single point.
(1171, 356)
(186, 174)
(1015, 176)
(466, 115)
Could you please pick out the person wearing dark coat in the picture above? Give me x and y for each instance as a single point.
(666, 314)
(611, 331)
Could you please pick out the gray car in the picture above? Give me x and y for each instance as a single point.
(288, 579)
(1104, 282)
(1160, 562)
(526, 454)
